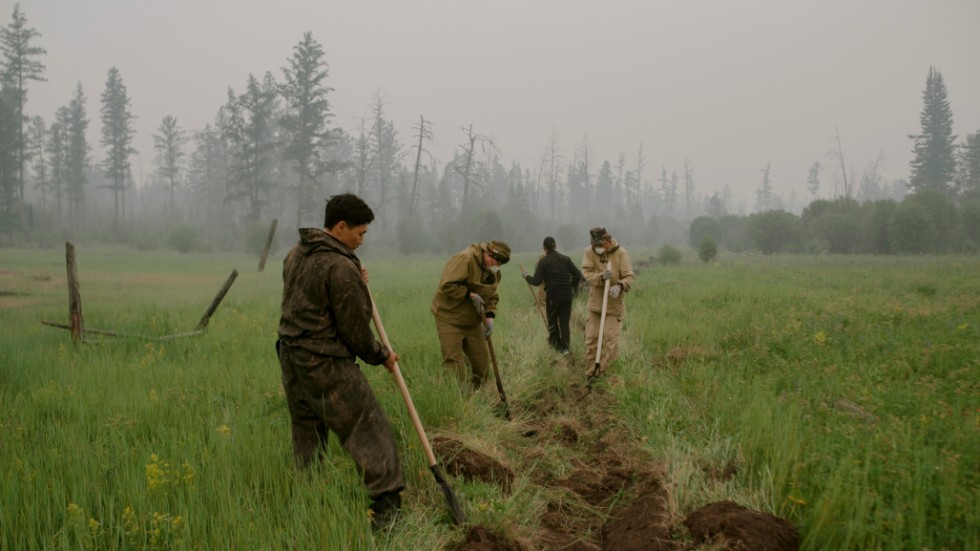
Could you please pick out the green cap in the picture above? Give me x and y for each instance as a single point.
(500, 251)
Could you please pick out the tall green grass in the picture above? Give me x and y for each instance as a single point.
(849, 388)
(845, 390)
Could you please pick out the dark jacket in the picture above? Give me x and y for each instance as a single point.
(326, 308)
(559, 275)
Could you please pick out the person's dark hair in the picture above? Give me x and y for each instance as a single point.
(349, 208)
(549, 243)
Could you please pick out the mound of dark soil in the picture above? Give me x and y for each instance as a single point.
(641, 524)
(481, 539)
(741, 529)
(470, 464)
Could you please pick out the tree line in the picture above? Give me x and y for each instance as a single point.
(273, 151)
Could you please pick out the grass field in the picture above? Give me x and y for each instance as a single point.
(841, 393)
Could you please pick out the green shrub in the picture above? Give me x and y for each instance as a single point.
(668, 255)
(707, 250)
(183, 238)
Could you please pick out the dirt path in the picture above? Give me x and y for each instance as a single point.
(602, 492)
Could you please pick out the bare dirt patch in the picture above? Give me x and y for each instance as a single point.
(601, 491)
(480, 539)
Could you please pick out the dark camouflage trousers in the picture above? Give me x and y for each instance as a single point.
(325, 392)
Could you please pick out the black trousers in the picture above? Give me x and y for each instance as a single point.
(559, 312)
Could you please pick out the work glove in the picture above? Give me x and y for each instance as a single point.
(606, 274)
(478, 303)
(488, 328)
(523, 273)
(615, 290)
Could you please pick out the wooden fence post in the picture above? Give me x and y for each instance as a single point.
(268, 243)
(217, 300)
(74, 296)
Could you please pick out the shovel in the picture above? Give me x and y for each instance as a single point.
(535, 297)
(602, 328)
(454, 507)
(496, 371)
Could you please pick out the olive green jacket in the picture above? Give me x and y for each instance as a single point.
(464, 274)
(617, 259)
(326, 307)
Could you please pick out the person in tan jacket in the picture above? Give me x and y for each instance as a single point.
(605, 260)
(467, 291)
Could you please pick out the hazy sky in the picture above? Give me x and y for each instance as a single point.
(732, 85)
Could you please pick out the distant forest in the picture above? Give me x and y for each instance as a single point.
(273, 152)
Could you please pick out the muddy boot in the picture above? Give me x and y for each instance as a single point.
(385, 509)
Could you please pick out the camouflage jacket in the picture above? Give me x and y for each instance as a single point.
(617, 259)
(326, 308)
(464, 274)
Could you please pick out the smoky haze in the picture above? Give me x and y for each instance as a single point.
(729, 87)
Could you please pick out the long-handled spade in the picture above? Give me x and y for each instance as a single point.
(496, 371)
(535, 297)
(454, 507)
(602, 327)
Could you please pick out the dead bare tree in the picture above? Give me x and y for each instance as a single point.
(688, 186)
(363, 158)
(466, 159)
(424, 133)
(838, 153)
(387, 153)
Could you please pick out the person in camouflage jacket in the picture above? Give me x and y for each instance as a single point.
(324, 327)
(468, 286)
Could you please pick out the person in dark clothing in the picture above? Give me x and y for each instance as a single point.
(324, 327)
(560, 278)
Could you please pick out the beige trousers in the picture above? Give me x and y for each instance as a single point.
(459, 344)
(610, 342)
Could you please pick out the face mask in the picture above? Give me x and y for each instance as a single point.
(494, 269)
(599, 250)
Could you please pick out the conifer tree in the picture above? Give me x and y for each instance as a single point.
(20, 64)
(117, 138)
(934, 165)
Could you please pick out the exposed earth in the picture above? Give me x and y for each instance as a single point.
(614, 497)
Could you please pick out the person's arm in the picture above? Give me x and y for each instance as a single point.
(453, 283)
(591, 272)
(574, 271)
(538, 277)
(625, 270)
(494, 298)
(351, 305)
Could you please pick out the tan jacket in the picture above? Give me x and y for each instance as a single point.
(616, 259)
(464, 274)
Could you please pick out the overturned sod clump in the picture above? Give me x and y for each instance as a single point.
(601, 491)
(736, 527)
(471, 464)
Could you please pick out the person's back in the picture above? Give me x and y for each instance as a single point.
(560, 277)
(558, 273)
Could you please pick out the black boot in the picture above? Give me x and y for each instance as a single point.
(385, 509)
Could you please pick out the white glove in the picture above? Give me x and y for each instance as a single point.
(478, 303)
(523, 273)
(615, 290)
(488, 328)
(606, 274)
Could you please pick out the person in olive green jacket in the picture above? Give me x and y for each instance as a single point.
(324, 327)
(605, 260)
(467, 291)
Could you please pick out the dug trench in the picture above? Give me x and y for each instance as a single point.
(601, 490)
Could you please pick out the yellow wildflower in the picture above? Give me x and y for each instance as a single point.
(820, 338)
